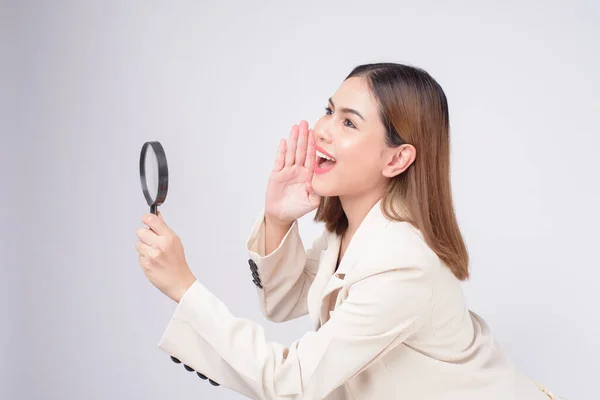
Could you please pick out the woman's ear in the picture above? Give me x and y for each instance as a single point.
(398, 159)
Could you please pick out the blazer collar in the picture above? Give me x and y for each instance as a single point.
(373, 223)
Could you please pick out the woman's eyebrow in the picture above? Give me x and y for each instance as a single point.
(347, 110)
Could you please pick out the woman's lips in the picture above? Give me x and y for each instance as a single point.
(325, 167)
(322, 150)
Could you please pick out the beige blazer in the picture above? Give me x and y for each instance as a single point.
(390, 323)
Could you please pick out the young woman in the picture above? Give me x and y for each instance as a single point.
(382, 284)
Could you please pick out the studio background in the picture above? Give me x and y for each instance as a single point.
(85, 84)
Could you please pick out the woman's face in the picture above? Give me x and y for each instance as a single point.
(352, 133)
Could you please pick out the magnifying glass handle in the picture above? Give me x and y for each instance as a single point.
(154, 209)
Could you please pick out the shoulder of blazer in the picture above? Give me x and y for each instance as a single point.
(400, 246)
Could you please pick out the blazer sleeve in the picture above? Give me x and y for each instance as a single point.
(381, 311)
(284, 277)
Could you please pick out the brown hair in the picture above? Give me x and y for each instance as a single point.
(414, 109)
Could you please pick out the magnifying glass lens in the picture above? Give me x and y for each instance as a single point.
(154, 174)
(151, 167)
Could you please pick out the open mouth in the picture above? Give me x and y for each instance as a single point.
(324, 161)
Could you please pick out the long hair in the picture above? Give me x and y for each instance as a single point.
(413, 108)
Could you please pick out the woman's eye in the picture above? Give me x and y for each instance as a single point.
(351, 124)
(329, 111)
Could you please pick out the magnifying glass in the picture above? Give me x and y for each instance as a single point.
(154, 174)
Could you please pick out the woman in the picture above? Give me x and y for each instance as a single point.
(382, 284)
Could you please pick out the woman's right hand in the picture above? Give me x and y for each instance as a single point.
(290, 194)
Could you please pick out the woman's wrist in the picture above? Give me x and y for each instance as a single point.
(177, 293)
(275, 231)
(278, 223)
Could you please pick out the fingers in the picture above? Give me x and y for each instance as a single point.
(148, 237)
(311, 154)
(280, 158)
(156, 223)
(144, 250)
(302, 143)
(290, 154)
(294, 150)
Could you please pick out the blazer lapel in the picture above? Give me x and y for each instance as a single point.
(322, 281)
(374, 222)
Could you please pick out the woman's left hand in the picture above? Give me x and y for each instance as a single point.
(162, 257)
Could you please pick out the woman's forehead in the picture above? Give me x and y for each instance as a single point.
(355, 93)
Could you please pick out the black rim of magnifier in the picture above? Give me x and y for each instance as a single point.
(163, 175)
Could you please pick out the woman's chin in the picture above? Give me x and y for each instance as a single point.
(322, 188)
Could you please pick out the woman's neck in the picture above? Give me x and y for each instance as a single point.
(357, 208)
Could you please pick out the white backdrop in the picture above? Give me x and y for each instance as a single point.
(85, 84)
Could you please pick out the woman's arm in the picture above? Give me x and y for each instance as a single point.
(283, 269)
(274, 234)
(381, 311)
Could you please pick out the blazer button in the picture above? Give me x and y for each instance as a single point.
(188, 368)
(175, 360)
(213, 382)
(253, 266)
(201, 376)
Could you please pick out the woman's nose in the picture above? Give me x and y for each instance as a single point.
(322, 134)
